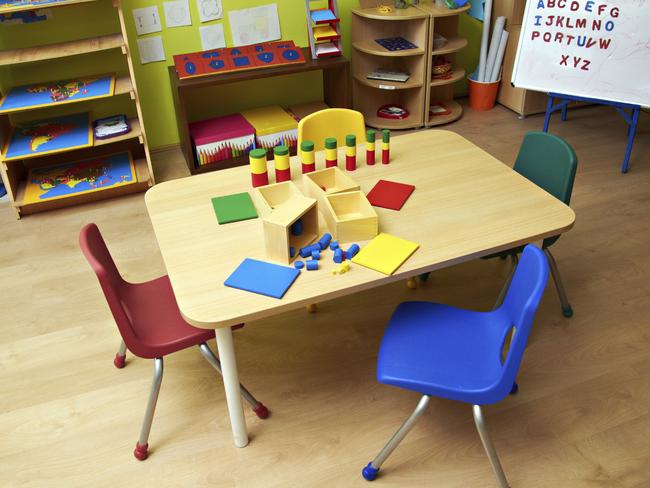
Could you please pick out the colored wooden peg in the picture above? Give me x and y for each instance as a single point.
(350, 152)
(370, 147)
(307, 156)
(385, 146)
(331, 152)
(281, 160)
(259, 173)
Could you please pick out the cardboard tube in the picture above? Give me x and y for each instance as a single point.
(494, 76)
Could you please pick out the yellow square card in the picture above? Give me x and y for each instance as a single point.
(385, 253)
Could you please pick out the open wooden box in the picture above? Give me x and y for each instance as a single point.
(268, 197)
(350, 216)
(327, 181)
(277, 227)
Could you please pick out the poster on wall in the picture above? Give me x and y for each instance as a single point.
(586, 48)
(209, 10)
(255, 25)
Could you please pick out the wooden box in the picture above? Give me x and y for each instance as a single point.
(278, 236)
(268, 197)
(328, 181)
(350, 217)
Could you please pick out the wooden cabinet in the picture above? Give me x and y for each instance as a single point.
(419, 25)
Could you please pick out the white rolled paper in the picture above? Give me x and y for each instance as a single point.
(487, 13)
(499, 25)
(494, 76)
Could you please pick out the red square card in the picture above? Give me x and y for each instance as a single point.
(390, 194)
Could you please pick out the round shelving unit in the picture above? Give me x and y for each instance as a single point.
(370, 25)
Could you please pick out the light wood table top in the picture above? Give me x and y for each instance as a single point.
(466, 204)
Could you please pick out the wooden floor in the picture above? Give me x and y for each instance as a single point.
(581, 418)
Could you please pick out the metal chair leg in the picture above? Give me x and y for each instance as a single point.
(489, 447)
(372, 469)
(258, 407)
(120, 357)
(506, 285)
(142, 447)
(567, 311)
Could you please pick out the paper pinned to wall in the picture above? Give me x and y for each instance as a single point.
(212, 37)
(254, 25)
(177, 13)
(151, 49)
(147, 20)
(209, 10)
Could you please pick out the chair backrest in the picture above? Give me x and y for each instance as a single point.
(94, 248)
(520, 306)
(331, 122)
(550, 162)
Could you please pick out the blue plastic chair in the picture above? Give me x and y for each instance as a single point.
(443, 351)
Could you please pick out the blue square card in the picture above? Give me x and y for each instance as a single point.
(261, 277)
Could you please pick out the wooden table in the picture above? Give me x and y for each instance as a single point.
(336, 93)
(466, 204)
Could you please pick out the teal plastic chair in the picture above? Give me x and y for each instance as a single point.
(551, 163)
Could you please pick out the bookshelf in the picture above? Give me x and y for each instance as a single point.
(14, 172)
(418, 24)
(324, 30)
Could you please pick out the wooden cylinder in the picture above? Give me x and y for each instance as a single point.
(385, 146)
(331, 152)
(307, 156)
(259, 173)
(282, 166)
(350, 152)
(370, 147)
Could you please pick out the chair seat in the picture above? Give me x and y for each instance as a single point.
(157, 321)
(444, 351)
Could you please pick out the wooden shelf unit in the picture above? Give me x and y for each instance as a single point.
(336, 93)
(417, 24)
(26, 8)
(14, 172)
(443, 21)
(368, 24)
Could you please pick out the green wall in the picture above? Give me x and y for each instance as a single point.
(92, 19)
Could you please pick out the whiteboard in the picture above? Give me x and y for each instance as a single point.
(588, 48)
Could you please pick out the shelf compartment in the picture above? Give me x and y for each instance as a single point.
(456, 113)
(453, 45)
(26, 8)
(371, 47)
(367, 101)
(142, 184)
(457, 74)
(135, 133)
(388, 85)
(123, 85)
(62, 49)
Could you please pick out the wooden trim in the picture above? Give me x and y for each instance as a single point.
(26, 8)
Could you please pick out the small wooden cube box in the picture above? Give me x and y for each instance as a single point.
(333, 180)
(279, 206)
(350, 217)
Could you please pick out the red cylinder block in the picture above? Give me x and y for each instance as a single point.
(260, 179)
(283, 175)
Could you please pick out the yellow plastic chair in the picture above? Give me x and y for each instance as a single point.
(331, 122)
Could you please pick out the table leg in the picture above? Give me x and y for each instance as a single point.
(231, 385)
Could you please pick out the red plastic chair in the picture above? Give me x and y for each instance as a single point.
(150, 324)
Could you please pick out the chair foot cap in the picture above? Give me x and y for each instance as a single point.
(311, 308)
(514, 389)
(119, 361)
(369, 473)
(411, 283)
(261, 411)
(141, 452)
(567, 312)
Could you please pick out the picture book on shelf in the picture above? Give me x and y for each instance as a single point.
(79, 177)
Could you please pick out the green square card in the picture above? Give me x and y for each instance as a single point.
(233, 208)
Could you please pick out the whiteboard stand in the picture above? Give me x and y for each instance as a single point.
(631, 119)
